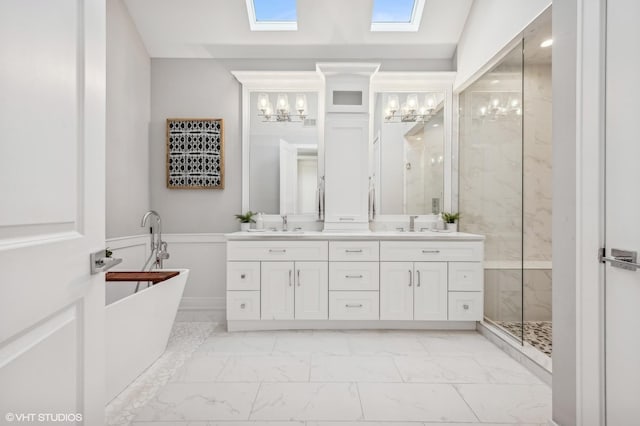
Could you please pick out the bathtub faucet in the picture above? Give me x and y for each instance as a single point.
(158, 247)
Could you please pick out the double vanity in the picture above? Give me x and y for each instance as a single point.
(349, 162)
(354, 280)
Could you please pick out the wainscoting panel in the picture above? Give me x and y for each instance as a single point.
(204, 254)
(133, 251)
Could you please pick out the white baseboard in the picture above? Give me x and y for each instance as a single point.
(245, 325)
(202, 309)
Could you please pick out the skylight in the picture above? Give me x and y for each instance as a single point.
(272, 15)
(397, 15)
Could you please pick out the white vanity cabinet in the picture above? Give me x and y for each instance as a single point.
(431, 280)
(294, 290)
(327, 280)
(413, 291)
(346, 173)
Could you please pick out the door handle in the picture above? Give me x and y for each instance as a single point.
(410, 278)
(418, 277)
(298, 273)
(623, 259)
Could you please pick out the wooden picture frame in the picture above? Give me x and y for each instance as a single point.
(195, 153)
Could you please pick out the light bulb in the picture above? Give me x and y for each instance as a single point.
(301, 103)
(263, 102)
(392, 103)
(283, 103)
(430, 102)
(412, 102)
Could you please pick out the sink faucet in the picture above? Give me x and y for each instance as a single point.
(412, 223)
(284, 223)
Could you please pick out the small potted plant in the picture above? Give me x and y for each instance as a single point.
(246, 220)
(450, 219)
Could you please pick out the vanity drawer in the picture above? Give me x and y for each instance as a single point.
(354, 276)
(243, 275)
(466, 276)
(436, 251)
(277, 250)
(354, 305)
(465, 306)
(354, 251)
(243, 305)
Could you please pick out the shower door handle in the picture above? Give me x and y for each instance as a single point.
(623, 259)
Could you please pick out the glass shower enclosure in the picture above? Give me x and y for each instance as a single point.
(505, 184)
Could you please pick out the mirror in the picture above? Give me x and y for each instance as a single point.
(283, 152)
(408, 153)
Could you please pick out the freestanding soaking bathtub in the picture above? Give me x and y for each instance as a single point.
(137, 327)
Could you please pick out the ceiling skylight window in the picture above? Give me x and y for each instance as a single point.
(397, 15)
(272, 15)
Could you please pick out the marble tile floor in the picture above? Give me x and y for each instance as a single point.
(209, 377)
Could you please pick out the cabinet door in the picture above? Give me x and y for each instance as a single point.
(312, 290)
(396, 290)
(430, 293)
(347, 170)
(276, 290)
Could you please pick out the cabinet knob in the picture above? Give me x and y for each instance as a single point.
(243, 276)
(242, 306)
(465, 307)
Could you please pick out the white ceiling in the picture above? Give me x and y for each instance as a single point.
(327, 29)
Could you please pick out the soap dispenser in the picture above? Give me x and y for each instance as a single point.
(260, 221)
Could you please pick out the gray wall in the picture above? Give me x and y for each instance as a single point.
(195, 88)
(127, 124)
(564, 211)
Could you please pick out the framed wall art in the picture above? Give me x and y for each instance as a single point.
(195, 153)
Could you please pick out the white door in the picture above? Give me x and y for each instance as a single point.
(312, 290)
(430, 292)
(52, 107)
(276, 292)
(288, 177)
(396, 290)
(622, 212)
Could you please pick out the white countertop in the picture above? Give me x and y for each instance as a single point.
(378, 235)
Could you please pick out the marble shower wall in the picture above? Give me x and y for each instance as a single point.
(504, 295)
(537, 162)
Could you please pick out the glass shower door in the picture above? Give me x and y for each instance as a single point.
(491, 184)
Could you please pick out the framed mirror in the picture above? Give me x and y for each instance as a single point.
(411, 150)
(282, 143)
(408, 152)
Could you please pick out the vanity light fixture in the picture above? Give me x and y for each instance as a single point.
(282, 111)
(411, 110)
(548, 42)
(501, 106)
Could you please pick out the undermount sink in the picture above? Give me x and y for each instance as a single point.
(278, 232)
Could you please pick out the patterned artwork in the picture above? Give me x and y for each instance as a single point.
(195, 153)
